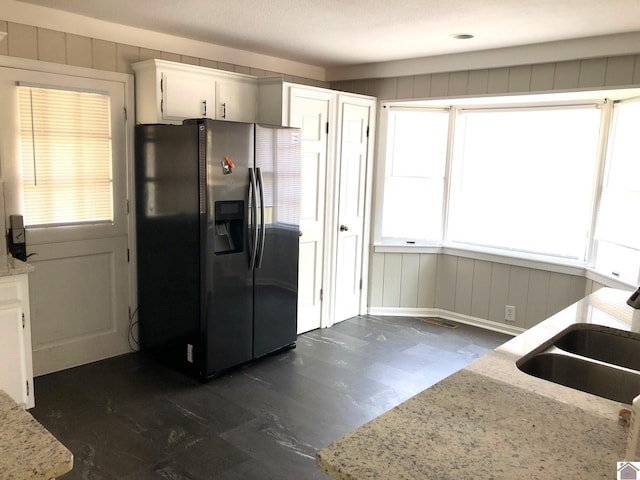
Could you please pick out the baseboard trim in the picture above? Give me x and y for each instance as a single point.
(447, 315)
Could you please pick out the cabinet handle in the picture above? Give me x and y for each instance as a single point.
(224, 110)
(204, 102)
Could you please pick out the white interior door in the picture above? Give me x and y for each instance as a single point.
(352, 157)
(79, 291)
(309, 111)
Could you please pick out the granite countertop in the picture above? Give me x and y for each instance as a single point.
(490, 420)
(27, 450)
(13, 266)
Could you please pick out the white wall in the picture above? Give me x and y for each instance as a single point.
(463, 288)
(466, 288)
(588, 74)
(398, 282)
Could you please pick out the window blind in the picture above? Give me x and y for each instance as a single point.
(65, 139)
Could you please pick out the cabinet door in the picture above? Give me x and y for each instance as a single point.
(237, 101)
(13, 374)
(187, 95)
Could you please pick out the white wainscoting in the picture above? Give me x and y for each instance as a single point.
(469, 290)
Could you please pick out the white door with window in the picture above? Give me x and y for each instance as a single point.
(64, 167)
(310, 111)
(353, 149)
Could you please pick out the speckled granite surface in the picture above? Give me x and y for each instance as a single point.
(27, 450)
(490, 420)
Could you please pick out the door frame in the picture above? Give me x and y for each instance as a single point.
(127, 81)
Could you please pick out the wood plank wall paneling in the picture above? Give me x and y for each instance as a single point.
(409, 281)
(26, 41)
(617, 71)
(427, 275)
(475, 288)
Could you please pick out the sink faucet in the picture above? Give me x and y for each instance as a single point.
(634, 299)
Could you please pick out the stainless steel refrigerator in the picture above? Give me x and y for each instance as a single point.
(217, 216)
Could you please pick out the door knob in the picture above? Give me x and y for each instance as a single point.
(343, 228)
(300, 233)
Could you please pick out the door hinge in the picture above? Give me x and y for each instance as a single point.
(162, 105)
(125, 113)
(360, 284)
(367, 131)
(23, 321)
(161, 85)
(128, 255)
(128, 207)
(28, 389)
(321, 295)
(327, 128)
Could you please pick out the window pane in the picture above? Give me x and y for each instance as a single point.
(65, 140)
(412, 208)
(618, 261)
(617, 234)
(523, 180)
(419, 143)
(414, 174)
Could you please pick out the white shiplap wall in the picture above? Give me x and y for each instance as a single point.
(469, 289)
(608, 72)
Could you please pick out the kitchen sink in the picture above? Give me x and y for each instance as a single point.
(591, 358)
(584, 374)
(605, 344)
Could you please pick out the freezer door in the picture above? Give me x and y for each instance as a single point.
(276, 275)
(228, 148)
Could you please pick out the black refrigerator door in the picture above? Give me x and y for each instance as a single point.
(278, 169)
(228, 149)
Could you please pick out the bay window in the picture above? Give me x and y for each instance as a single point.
(546, 179)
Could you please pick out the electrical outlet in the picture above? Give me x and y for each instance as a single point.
(510, 313)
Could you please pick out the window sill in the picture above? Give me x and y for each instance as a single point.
(516, 259)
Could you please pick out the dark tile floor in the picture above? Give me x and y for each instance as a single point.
(131, 418)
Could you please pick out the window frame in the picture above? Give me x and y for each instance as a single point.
(120, 87)
(524, 259)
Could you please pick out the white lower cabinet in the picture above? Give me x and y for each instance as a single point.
(16, 370)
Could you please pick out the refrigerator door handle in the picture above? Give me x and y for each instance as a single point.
(262, 222)
(253, 190)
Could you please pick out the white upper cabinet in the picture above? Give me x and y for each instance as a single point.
(186, 95)
(169, 92)
(237, 99)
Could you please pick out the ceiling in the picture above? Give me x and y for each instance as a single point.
(333, 33)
